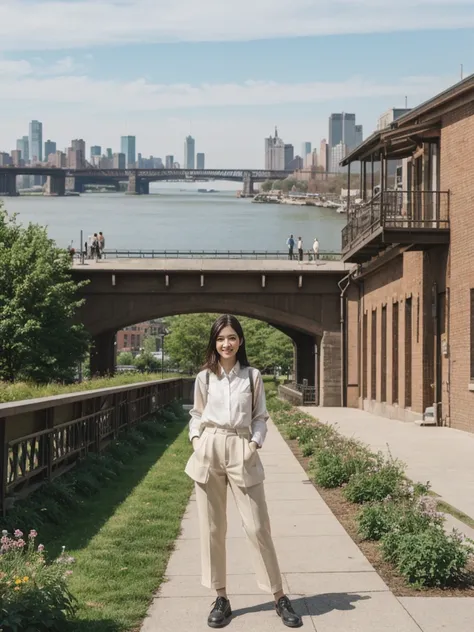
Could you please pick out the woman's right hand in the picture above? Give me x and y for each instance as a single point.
(195, 443)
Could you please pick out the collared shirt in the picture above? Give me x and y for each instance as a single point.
(300, 244)
(228, 402)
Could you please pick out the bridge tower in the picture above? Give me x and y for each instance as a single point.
(137, 185)
(56, 185)
(248, 190)
(8, 184)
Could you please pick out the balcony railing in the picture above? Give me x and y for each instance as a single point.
(401, 211)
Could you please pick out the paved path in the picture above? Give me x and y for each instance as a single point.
(443, 456)
(331, 583)
(211, 265)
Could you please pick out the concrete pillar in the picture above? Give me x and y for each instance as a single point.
(102, 356)
(144, 187)
(133, 185)
(55, 185)
(79, 186)
(8, 184)
(330, 369)
(248, 189)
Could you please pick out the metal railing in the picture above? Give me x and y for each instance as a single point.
(310, 393)
(400, 210)
(56, 431)
(216, 254)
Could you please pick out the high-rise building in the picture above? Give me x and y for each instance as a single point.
(289, 155)
(169, 162)
(342, 129)
(23, 144)
(16, 158)
(305, 149)
(189, 152)
(36, 141)
(119, 161)
(58, 159)
(5, 159)
(49, 148)
(323, 155)
(338, 153)
(311, 159)
(359, 135)
(274, 153)
(75, 158)
(78, 145)
(96, 150)
(128, 147)
(200, 161)
(295, 164)
(109, 153)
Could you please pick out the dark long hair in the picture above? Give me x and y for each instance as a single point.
(212, 357)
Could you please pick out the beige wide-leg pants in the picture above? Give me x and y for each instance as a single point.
(228, 454)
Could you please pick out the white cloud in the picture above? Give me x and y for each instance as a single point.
(140, 95)
(56, 24)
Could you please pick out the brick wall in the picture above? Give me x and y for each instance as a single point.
(457, 171)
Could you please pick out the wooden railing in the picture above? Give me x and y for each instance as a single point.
(42, 439)
(400, 210)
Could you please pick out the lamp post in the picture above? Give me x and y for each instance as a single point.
(162, 336)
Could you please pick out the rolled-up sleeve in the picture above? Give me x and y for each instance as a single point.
(200, 393)
(260, 414)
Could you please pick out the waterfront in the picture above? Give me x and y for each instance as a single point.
(172, 218)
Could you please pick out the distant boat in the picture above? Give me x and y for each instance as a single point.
(207, 191)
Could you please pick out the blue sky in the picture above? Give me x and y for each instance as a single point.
(226, 71)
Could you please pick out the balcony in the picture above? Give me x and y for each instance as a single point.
(419, 219)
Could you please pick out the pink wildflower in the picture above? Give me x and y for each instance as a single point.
(40, 548)
(33, 534)
(18, 533)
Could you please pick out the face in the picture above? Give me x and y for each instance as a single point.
(227, 343)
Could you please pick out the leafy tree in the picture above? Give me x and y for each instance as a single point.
(146, 363)
(187, 341)
(39, 338)
(266, 186)
(125, 358)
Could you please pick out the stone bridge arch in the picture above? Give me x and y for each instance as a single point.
(303, 306)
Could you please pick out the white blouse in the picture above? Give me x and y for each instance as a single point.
(228, 402)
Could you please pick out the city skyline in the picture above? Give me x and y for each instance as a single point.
(220, 78)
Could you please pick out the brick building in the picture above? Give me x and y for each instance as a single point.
(131, 338)
(408, 332)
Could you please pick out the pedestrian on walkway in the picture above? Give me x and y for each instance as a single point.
(101, 243)
(316, 248)
(228, 425)
(300, 249)
(290, 242)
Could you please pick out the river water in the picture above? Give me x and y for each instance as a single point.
(179, 218)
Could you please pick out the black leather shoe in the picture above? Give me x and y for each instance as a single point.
(220, 614)
(288, 615)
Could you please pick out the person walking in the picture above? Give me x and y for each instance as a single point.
(101, 243)
(95, 250)
(290, 242)
(227, 428)
(300, 249)
(316, 248)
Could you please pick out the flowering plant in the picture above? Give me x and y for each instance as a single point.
(33, 594)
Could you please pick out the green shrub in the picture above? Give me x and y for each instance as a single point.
(136, 439)
(33, 594)
(376, 519)
(307, 449)
(121, 451)
(409, 516)
(330, 470)
(152, 428)
(428, 558)
(376, 483)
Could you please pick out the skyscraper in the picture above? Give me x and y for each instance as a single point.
(96, 150)
(79, 146)
(23, 144)
(169, 162)
(289, 156)
(342, 129)
(359, 135)
(189, 150)
(49, 148)
(200, 161)
(305, 149)
(274, 153)
(119, 161)
(128, 147)
(36, 141)
(323, 155)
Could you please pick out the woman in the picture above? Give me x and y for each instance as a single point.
(227, 427)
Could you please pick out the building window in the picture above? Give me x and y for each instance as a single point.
(138, 340)
(395, 338)
(408, 351)
(472, 334)
(133, 340)
(125, 340)
(373, 357)
(364, 357)
(383, 373)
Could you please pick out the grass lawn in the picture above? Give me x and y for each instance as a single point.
(26, 390)
(123, 536)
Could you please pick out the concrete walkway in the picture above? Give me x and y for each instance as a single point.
(442, 456)
(331, 583)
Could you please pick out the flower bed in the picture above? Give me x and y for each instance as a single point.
(378, 505)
